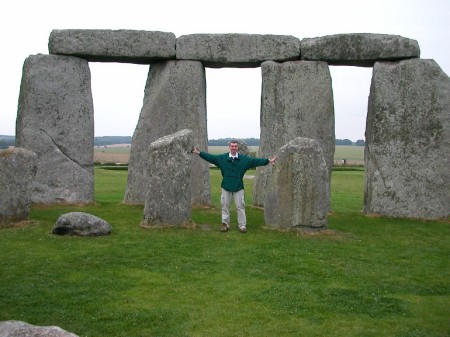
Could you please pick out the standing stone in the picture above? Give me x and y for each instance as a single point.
(299, 191)
(55, 119)
(17, 171)
(168, 197)
(297, 101)
(175, 99)
(407, 153)
(243, 147)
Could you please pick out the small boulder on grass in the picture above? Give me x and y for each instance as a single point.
(22, 329)
(81, 224)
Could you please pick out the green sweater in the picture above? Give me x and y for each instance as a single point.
(233, 170)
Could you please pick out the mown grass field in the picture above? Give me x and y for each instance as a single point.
(121, 154)
(364, 276)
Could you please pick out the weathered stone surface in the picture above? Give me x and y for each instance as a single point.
(175, 99)
(133, 46)
(360, 49)
(55, 119)
(297, 101)
(407, 154)
(81, 224)
(237, 50)
(17, 171)
(22, 329)
(243, 147)
(299, 190)
(168, 197)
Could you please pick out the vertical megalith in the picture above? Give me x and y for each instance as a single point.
(17, 171)
(407, 153)
(175, 99)
(168, 189)
(55, 119)
(297, 101)
(299, 190)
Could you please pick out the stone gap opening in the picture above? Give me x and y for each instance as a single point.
(233, 102)
(117, 105)
(351, 88)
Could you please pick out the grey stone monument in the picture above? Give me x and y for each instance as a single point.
(297, 101)
(407, 153)
(299, 190)
(237, 50)
(55, 119)
(358, 49)
(17, 171)
(81, 224)
(175, 99)
(168, 190)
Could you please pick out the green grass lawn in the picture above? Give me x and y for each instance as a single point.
(364, 276)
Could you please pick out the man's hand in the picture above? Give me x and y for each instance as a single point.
(272, 160)
(195, 150)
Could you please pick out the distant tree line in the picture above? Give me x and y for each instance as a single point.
(110, 140)
(359, 142)
(7, 141)
(255, 142)
(226, 141)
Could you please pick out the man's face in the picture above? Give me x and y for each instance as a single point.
(234, 148)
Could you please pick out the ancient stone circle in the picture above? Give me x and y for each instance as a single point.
(407, 148)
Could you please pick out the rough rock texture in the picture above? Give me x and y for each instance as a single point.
(134, 46)
(17, 171)
(243, 147)
(22, 329)
(299, 191)
(81, 224)
(407, 153)
(55, 119)
(237, 50)
(168, 197)
(297, 101)
(175, 99)
(358, 49)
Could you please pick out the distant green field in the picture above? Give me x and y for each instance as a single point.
(353, 154)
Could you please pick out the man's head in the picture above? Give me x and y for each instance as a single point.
(234, 147)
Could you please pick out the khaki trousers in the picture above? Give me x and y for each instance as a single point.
(225, 201)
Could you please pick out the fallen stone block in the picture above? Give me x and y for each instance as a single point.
(22, 329)
(81, 224)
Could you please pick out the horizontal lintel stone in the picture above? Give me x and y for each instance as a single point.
(237, 50)
(359, 49)
(101, 45)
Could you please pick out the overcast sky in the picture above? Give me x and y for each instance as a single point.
(233, 95)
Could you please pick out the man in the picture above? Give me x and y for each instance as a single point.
(233, 166)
